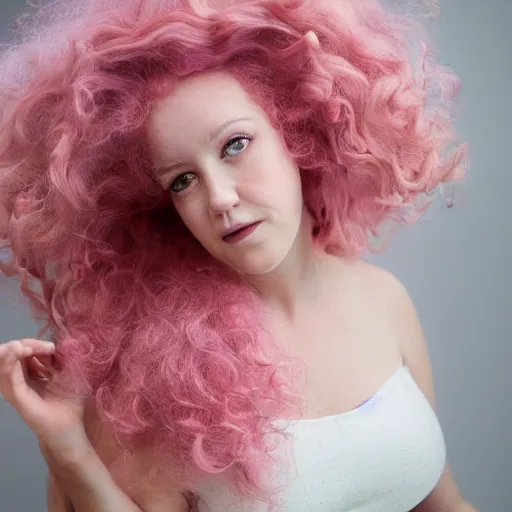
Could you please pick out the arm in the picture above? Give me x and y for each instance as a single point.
(446, 496)
(85, 473)
(57, 501)
(88, 483)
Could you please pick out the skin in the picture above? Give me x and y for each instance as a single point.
(221, 174)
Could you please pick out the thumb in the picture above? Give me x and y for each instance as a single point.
(25, 400)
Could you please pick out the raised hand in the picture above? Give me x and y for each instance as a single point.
(26, 368)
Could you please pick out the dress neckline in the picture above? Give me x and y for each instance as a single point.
(401, 369)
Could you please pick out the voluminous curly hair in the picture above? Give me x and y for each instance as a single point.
(174, 349)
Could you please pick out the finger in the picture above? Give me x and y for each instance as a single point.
(43, 347)
(9, 355)
(40, 363)
(24, 399)
(21, 349)
(17, 379)
(12, 379)
(50, 362)
(26, 345)
(12, 352)
(38, 346)
(41, 369)
(36, 369)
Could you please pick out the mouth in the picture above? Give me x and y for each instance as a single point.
(240, 232)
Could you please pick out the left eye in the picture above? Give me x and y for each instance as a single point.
(236, 145)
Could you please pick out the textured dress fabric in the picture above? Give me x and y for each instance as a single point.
(385, 456)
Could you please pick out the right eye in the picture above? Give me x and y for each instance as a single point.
(181, 183)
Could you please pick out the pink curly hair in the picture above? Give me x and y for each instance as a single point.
(172, 347)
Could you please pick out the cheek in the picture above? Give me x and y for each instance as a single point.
(286, 188)
(275, 179)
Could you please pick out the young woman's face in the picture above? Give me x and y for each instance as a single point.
(227, 169)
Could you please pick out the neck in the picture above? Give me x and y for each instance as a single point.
(297, 280)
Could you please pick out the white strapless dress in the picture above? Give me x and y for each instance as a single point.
(385, 456)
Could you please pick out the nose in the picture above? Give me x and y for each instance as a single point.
(222, 194)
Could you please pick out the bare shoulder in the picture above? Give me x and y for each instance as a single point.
(389, 296)
(380, 281)
(404, 319)
(151, 495)
(382, 285)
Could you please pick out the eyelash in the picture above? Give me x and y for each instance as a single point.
(233, 140)
(236, 138)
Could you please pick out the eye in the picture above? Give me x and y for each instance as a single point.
(181, 183)
(236, 145)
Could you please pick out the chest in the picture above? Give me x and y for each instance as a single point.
(347, 358)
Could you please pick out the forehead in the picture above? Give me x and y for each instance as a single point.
(200, 103)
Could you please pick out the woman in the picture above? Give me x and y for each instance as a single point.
(192, 185)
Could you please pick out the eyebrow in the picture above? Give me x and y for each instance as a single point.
(164, 169)
(229, 122)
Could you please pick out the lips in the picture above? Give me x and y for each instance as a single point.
(240, 231)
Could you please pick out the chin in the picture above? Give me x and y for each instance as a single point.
(258, 264)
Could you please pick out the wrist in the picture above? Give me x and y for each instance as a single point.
(69, 450)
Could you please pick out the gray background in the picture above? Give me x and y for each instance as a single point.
(455, 265)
